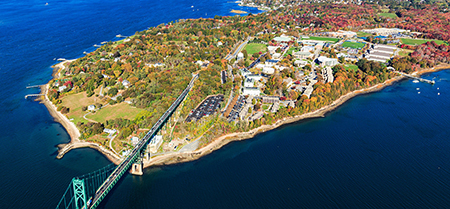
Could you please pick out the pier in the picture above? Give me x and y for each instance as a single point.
(35, 86)
(412, 77)
(33, 95)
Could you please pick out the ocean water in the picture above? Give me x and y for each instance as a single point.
(388, 149)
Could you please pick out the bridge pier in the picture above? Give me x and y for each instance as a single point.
(136, 169)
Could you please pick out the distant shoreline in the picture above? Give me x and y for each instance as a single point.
(238, 11)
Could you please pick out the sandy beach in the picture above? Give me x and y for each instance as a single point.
(217, 143)
(70, 127)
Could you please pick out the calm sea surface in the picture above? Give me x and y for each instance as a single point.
(388, 149)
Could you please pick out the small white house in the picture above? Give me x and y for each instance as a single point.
(109, 131)
(91, 107)
(126, 83)
(240, 56)
(62, 88)
(134, 140)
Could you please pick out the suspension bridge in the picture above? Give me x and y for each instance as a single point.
(89, 190)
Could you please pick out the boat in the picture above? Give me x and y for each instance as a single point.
(415, 81)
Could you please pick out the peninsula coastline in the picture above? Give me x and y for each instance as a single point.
(217, 143)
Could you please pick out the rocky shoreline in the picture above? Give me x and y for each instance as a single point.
(174, 158)
(217, 143)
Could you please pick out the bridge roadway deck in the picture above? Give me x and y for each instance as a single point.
(125, 165)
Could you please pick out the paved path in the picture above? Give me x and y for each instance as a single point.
(110, 145)
(90, 120)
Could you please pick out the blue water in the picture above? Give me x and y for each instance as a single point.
(388, 149)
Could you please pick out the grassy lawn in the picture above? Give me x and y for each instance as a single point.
(363, 34)
(265, 107)
(254, 47)
(404, 52)
(333, 40)
(121, 110)
(290, 50)
(75, 102)
(99, 138)
(351, 67)
(388, 15)
(409, 41)
(355, 45)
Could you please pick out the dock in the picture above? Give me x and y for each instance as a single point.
(412, 77)
(419, 79)
(35, 86)
(33, 95)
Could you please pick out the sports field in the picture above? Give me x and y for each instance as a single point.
(254, 47)
(333, 40)
(354, 45)
(409, 41)
(389, 15)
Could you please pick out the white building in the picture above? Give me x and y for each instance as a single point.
(259, 66)
(249, 82)
(254, 91)
(385, 31)
(325, 61)
(256, 116)
(109, 131)
(126, 83)
(268, 70)
(240, 56)
(300, 63)
(245, 72)
(276, 55)
(327, 74)
(255, 77)
(272, 49)
(271, 62)
(155, 143)
(134, 140)
(302, 54)
(62, 88)
(275, 107)
(91, 107)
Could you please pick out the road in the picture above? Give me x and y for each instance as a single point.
(242, 45)
(125, 165)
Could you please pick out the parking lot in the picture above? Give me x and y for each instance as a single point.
(206, 108)
(234, 114)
